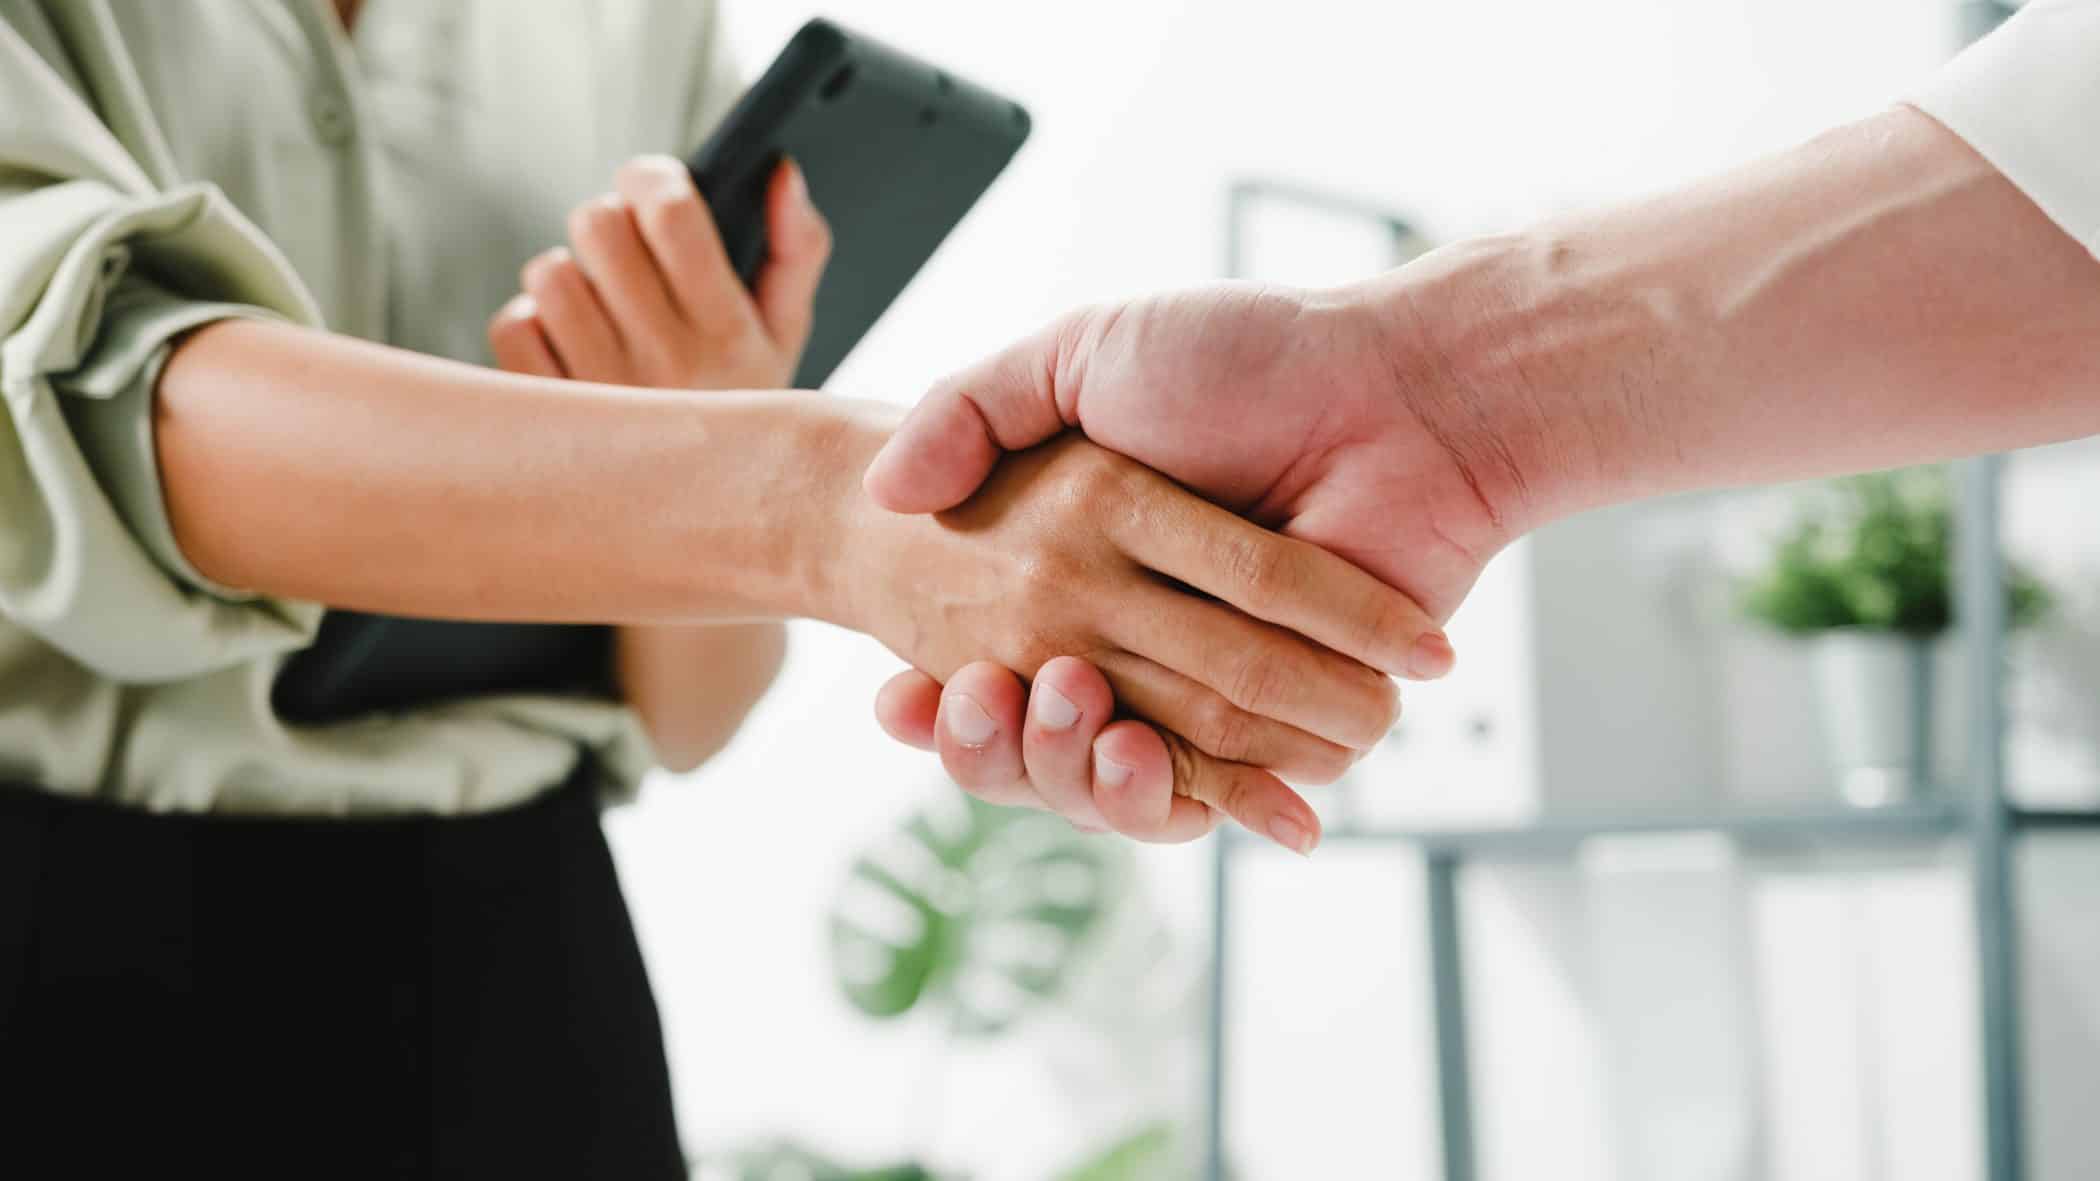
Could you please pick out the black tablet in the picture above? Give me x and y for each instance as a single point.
(896, 151)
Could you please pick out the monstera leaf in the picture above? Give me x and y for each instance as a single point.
(982, 911)
(1147, 1154)
(792, 1162)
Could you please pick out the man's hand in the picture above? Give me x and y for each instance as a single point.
(1304, 412)
(1307, 414)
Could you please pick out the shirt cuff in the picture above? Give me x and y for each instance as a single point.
(2027, 99)
(111, 416)
(94, 286)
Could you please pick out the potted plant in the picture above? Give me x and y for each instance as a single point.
(1864, 575)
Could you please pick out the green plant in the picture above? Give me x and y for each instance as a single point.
(1141, 1156)
(1875, 552)
(793, 1162)
(980, 912)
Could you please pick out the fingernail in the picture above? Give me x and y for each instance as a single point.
(798, 185)
(1087, 829)
(1291, 835)
(967, 721)
(1053, 709)
(1110, 773)
(1432, 657)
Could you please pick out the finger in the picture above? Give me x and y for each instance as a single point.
(682, 237)
(609, 248)
(1219, 728)
(1256, 800)
(1290, 583)
(574, 321)
(1259, 667)
(799, 244)
(979, 735)
(948, 443)
(907, 706)
(1133, 783)
(1068, 704)
(517, 343)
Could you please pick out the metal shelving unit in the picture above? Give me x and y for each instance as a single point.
(1974, 812)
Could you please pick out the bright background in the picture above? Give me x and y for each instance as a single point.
(1662, 1010)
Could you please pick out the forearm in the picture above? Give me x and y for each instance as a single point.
(1876, 297)
(317, 467)
(693, 685)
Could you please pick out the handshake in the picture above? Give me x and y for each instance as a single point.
(1322, 528)
(1220, 526)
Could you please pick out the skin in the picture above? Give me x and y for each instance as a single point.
(1877, 296)
(654, 302)
(306, 465)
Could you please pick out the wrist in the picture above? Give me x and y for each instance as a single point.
(838, 535)
(1536, 367)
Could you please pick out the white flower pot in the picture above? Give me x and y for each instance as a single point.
(1876, 691)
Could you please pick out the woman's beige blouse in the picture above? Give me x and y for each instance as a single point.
(164, 163)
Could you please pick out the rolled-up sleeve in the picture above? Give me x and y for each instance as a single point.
(2027, 98)
(100, 271)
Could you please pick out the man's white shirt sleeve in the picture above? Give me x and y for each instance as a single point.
(2027, 98)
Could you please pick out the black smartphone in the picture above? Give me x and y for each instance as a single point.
(895, 150)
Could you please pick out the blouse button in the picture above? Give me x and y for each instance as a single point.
(332, 120)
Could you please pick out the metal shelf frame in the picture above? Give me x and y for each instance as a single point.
(1975, 812)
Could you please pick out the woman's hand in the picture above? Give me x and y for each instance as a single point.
(1257, 652)
(1056, 744)
(644, 294)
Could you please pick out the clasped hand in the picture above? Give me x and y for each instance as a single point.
(1184, 659)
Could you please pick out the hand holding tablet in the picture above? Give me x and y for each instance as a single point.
(895, 152)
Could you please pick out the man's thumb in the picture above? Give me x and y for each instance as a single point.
(950, 441)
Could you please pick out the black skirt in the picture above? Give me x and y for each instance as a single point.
(390, 998)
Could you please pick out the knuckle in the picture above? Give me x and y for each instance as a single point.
(1390, 625)
(504, 334)
(549, 271)
(1092, 482)
(529, 274)
(1229, 794)
(1044, 583)
(649, 171)
(1254, 678)
(1224, 730)
(1101, 475)
(1373, 700)
(510, 320)
(668, 209)
(1187, 769)
(596, 221)
(1260, 568)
